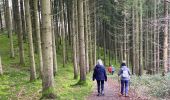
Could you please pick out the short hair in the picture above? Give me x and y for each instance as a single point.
(123, 63)
(99, 61)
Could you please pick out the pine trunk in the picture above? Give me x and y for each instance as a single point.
(74, 40)
(86, 37)
(53, 40)
(165, 38)
(154, 38)
(5, 14)
(81, 40)
(1, 27)
(133, 43)
(31, 49)
(90, 37)
(77, 35)
(14, 8)
(1, 71)
(137, 39)
(37, 30)
(54, 53)
(124, 38)
(23, 20)
(104, 41)
(9, 27)
(19, 32)
(47, 52)
(147, 44)
(94, 53)
(63, 31)
(141, 40)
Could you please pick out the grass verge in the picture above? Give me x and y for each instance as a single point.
(15, 85)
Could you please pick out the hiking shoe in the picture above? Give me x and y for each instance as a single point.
(102, 93)
(126, 95)
(98, 94)
(120, 94)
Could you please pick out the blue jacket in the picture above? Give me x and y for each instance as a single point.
(99, 73)
(121, 72)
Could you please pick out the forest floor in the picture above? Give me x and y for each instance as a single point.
(112, 92)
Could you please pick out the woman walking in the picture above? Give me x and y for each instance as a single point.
(124, 74)
(100, 75)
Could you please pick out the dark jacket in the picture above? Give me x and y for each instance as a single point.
(99, 73)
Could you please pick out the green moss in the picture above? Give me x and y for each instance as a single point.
(48, 93)
(15, 84)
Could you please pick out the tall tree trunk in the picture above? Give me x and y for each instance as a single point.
(147, 43)
(74, 40)
(151, 49)
(63, 31)
(37, 31)
(98, 36)
(47, 52)
(53, 40)
(77, 35)
(65, 12)
(23, 20)
(158, 52)
(69, 20)
(1, 71)
(9, 26)
(154, 38)
(81, 40)
(165, 38)
(116, 48)
(104, 41)
(19, 32)
(141, 40)
(94, 54)
(54, 53)
(133, 36)
(31, 49)
(86, 37)
(137, 39)
(5, 14)
(158, 47)
(90, 36)
(124, 37)
(1, 20)
(109, 47)
(14, 8)
(33, 26)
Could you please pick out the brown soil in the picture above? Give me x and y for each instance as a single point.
(112, 92)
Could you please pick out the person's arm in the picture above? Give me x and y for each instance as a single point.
(105, 75)
(94, 74)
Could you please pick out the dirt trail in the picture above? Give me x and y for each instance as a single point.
(112, 92)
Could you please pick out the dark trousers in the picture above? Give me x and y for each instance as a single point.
(100, 84)
(113, 72)
(124, 86)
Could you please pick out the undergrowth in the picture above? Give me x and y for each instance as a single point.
(152, 85)
(15, 84)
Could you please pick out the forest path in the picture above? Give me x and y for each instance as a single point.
(112, 92)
